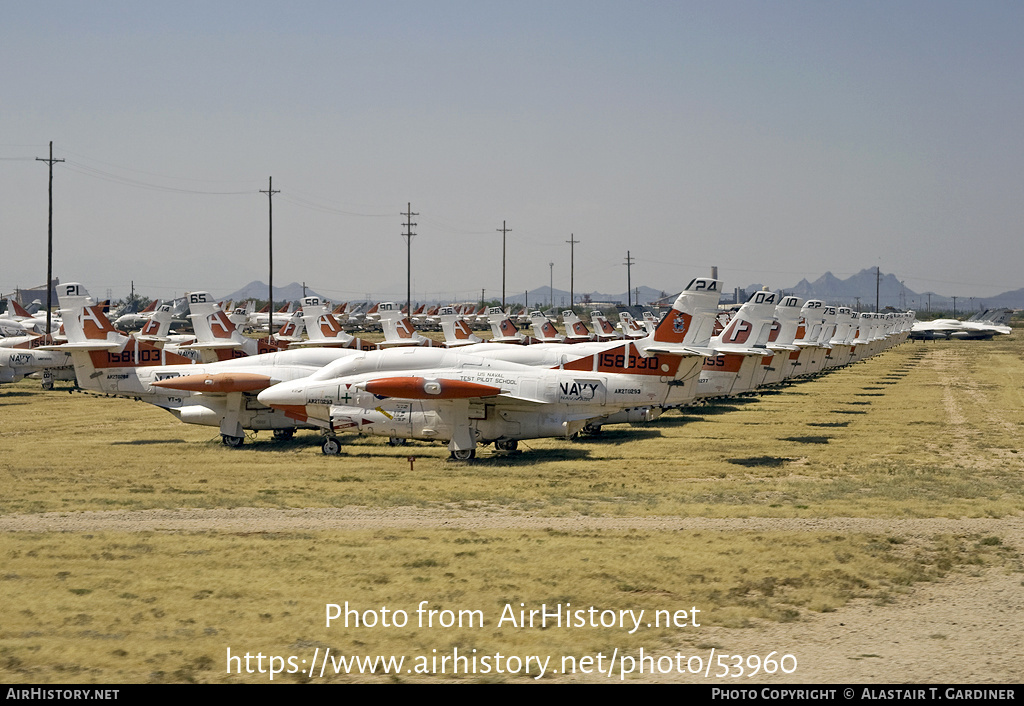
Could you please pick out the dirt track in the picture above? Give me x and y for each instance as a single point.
(964, 629)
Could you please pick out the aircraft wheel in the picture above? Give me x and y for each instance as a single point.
(232, 441)
(47, 384)
(397, 441)
(506, 444)
(462, 454)
(592, 429)
(283, 434)
(331, 446)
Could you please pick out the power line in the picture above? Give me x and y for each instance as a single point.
(86, 170)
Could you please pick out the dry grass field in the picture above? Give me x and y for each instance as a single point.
(138, 549)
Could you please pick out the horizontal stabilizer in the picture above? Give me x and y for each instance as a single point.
(91, 345)
(742, 350)
(681, 350)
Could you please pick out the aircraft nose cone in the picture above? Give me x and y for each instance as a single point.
(279, 395)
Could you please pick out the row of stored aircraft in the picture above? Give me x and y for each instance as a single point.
(983, 325)
(466, 391)
(219, 332)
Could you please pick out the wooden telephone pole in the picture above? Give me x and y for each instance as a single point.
(572, 269)
(504, 232)
(269, 191)
(408, 234)
(49, 241)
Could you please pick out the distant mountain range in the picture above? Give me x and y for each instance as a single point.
(891, 293)
(258, 290)
(829, 288)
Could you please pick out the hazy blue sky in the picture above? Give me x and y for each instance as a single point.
(776, 140)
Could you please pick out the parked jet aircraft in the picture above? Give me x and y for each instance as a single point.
(29, 358)
(445, 394)
(495, 396)
(221, 394)
(985, 325)
(17, 321)
(137, 319)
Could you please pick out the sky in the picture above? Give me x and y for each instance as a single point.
(775, 140)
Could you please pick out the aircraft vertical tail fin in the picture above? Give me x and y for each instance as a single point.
(211, 324)
(575, 329)
(630, 327)
(158, 326)
(752, 324)
(456, 330)
(691, 321)
(543, 330)
(399, 330)
(293, 328)
(502, 328)
(604, 328)
(14, 309)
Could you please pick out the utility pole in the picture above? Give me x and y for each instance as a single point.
(954, 307)
(408, 234)
(49, 242)
(572, 269)
(551, 285)
(270, 240)
(878, 279)
(504, 231)
(629, 279)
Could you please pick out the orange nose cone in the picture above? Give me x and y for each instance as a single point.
(219, 382)
(417, 388)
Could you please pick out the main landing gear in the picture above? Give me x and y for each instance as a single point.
(506, 445)
(232, 442)
(462, 454)
(331, 446)
(283, 434)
